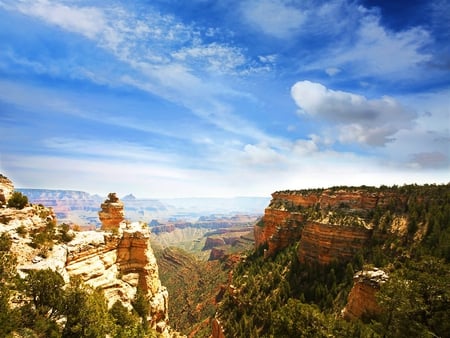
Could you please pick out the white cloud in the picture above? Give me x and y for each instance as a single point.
(273, 17)
(358, 119)
(260, 154)
(332, 71)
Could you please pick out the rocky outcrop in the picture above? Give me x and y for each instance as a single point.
(111, 213)
(118, 262)
(323, 243)
(212, 242)
(362, 297)
(6, 189)
(216, 254)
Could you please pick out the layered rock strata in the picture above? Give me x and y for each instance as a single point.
(324, 243)
(111, 213)
(278, 229)
(328, 223)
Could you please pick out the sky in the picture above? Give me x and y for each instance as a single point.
(223, 98)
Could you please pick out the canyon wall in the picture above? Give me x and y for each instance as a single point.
(324, 243)
(327, 223)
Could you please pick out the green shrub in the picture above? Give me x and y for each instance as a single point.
(17, 200)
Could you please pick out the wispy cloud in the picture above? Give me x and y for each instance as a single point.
(273, 17)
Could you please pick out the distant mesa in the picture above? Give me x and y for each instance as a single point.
(129, 197)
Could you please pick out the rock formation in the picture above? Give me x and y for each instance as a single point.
(328, 223)
(6, 189)
(118, 261)
(111, 213)
(362, 297)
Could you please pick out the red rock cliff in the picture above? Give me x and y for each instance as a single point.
(323, 243)
(278, 229)
(329, 223)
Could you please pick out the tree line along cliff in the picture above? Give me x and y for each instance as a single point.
(345, 261)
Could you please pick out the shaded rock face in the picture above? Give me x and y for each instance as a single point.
(111, 213)
(278, 229)
(323, 243)
(362, 297)
(6, 189)
(216, 254)
(213, 242)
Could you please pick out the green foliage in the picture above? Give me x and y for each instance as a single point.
(141, 304)
(17, 200)
(87, 313)
(51, 310)
(5, 242)
(279, 297)
(416, 300)
(44, 239)
(45, 288)
(64, 234)
(193, 287)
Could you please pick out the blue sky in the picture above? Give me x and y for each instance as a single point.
(174, 98)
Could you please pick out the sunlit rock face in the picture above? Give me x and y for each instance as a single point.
(111, 213)
(6, 189)
(118, 261)
(119, 264)
(362, 297)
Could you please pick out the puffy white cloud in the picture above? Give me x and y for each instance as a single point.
(358, 119)
(260, 154)
(273, 17)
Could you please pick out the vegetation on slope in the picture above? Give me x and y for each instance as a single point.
(44, 308)
(279, 297)
(192, 285)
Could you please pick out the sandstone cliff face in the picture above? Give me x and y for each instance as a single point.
(278, 229)
(362, 297)
(6, 189)
(119, 264)
(323, 243)
(328, 223)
